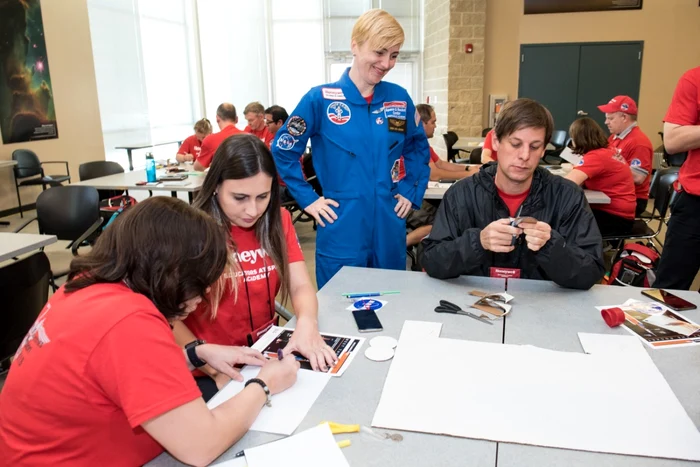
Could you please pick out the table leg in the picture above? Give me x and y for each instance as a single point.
(173, 194)
(190, 195)
(131, 164)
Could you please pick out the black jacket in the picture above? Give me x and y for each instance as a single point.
(573, 257)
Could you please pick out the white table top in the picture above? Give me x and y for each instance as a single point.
(593, 197)
(544, 314)
(7, 163)
(15, 244)
(127, 181)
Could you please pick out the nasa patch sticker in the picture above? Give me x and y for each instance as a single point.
(334, 94)
(296, 126)
(286, 142)
(338, 113)
(635, 163)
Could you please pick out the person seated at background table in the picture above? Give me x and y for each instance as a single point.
(420, 221)
(254, 114)
(275, 117)
(473, 232)
(99, 379)
(241, 192)
(226, 119)
(190, 148)
(600, 170)
(488, 153)
(631, 144)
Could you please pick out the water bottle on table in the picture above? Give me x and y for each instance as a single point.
(150, 168)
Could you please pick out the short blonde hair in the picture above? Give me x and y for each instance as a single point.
(379, 28)
(255, 107)
(203, 125)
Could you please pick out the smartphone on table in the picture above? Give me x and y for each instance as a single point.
(367, 321)
(674, 302)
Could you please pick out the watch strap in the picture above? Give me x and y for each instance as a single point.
(265, 388)
(191, 350)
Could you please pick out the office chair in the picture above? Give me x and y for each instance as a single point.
(450, 139)
(29, 171)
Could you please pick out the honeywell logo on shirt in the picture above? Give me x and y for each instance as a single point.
(248, 260)
(37, 334)
(250, 256)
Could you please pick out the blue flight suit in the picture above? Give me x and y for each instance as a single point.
(355, 147)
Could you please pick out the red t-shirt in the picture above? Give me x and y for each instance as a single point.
(212, 142)
(191, 145)
(638, 152)
(433, 156)
(513, 201)
(488, 144)
(265, 135)
(685, 110)
(613, 178)
(97, 364)
(232, 323)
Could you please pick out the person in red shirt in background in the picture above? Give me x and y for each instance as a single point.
(254, 114)
(190, 148)
(488, 153)
(241, 191)
(680, 259)
(631, 144)
(99, 378)
(275, 117)
(600, 170)
(226, 119)
(421, 220)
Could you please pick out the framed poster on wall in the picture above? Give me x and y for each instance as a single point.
(496, 103)
(534, 7)
(27, 110)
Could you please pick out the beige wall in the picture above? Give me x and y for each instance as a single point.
(435, 65)
(670, 30)
(75, 97)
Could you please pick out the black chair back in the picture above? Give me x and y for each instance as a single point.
(307, 166)
(450, 139)
(67, 211)
(475, 156)
(28, 163)
(96, 169)
(559, 138)
(664, 189)
(24, 288)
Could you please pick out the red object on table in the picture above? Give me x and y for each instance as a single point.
(613, 316)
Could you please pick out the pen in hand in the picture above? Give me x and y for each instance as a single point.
(280, 354)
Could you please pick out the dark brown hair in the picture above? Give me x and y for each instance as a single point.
(524, 113)
(587, 135)
(161, 248)
(244, 156)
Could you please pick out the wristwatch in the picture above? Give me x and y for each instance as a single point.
(265, 388)
(192, 354)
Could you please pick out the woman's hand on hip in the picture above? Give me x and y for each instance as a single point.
(321, 209)
(403, 206)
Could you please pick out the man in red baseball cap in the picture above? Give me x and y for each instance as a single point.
(680, 260)
(631, 144)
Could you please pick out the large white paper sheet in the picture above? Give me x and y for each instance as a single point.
(288, 407)
(314, 447)
(568, 155)
(420, 330)
(528, 395)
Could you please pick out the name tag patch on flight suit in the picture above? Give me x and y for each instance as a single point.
(296, 126)
(334, 94)
(286, 142)
(395, 112)
(338, 113)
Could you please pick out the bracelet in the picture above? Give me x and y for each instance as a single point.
(265, 388)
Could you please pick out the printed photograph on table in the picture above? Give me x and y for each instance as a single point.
(661, 330)
(27, 110)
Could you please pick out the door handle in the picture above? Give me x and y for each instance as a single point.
(582, 113)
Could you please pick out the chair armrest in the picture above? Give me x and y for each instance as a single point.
(59, 162)
(76, 244)
(26, 223)
(283, 312)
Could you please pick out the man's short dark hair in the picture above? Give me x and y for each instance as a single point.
(425, 111)
(524, 113)
(227, 112)
(278, 113)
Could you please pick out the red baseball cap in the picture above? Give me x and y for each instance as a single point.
(624, 104)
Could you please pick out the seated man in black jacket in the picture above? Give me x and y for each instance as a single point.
(474, 233)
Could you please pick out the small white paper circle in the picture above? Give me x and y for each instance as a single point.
(387, 342)
(379, 354)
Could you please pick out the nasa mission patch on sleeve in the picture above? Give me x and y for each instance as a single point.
(296, 126)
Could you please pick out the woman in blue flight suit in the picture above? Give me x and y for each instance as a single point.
(370, 154)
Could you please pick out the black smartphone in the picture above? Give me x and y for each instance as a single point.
(367, 320)
(447, 180)
(674, 302)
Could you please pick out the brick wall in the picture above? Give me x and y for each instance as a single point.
(435, 65)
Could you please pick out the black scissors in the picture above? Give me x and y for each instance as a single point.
(449, 307)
